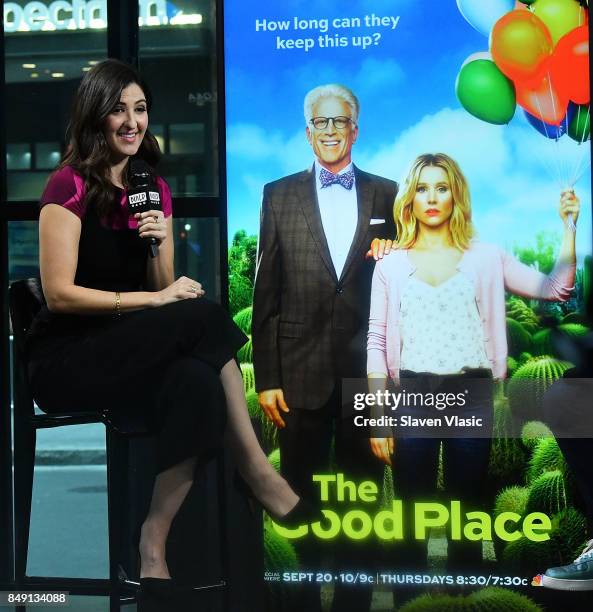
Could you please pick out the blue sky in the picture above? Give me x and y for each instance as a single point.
(406, 87)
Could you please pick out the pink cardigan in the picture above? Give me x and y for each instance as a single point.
(491, 271)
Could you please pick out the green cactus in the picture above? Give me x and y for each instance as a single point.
(529, 383)
(387, 492)
(511, 499)
(248, 377)
(269, 431)
(518, 310)
(546, 457)
(274, 459)
(507, 456)
(279, 556)
(519, 339)
(524, 358)
(497, 599)
(575, 317)
(512, 365)
(548, 494)
(435, 603)
(567, 539)
(542, 341)
(243, 320)
(533, 432)
(245, 353)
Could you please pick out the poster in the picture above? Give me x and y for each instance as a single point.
(429, 78)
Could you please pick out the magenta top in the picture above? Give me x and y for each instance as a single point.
(66, 187)
(490, 269)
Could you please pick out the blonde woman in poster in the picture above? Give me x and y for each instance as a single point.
(437, 325)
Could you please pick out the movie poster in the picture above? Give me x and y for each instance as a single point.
(476, 114)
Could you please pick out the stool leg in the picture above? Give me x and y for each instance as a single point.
(116, 446)
(24, 465)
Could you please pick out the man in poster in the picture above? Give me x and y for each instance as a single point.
(310, 314)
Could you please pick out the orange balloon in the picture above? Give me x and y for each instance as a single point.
(569, 66)
(520, 44)
(541, 99)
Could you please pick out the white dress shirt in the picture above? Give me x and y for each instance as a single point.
(339, 215)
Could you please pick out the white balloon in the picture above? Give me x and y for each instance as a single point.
(480, 55)
(483, 14)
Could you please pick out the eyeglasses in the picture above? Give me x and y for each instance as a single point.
(320, 123)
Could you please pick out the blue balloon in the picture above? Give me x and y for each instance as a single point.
(547, 129)
(483, 14)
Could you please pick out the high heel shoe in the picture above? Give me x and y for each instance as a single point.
(302, 513)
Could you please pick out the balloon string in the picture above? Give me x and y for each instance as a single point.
(580, 169)
(554, 166)
(553, 101)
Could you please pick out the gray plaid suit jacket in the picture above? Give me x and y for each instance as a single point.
(309, 327)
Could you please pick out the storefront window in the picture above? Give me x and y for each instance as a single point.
(178, 59)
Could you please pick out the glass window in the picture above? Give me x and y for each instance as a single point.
(49, 45)
(178, 59)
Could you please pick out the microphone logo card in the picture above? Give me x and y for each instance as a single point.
(137, 198)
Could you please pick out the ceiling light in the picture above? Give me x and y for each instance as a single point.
(34, 75)
(58, 75)
(29, 65)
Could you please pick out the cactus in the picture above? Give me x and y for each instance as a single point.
(542, 341)
(507, 456)
(529, 383)
(274, 459)
(269, 431)
(279, 556)
(567, 539)
(243, 320)
(245, 353)
(387, 493)
(512, 365)
(533, 432)
(548, 494)
(575, 317)
(519, 339)
(497, 599)
(511, 499)
(518, 310)
(546, 457)
(524, 357)
(435, 603)
(248, 377)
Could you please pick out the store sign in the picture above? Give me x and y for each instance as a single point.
(76, 15)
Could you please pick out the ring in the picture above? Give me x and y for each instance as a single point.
(194, 288)
(156, 219)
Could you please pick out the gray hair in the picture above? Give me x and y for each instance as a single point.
(331, 90)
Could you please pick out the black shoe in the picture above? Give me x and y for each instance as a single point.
(157, 595)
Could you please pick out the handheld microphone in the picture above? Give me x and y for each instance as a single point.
(143, 195)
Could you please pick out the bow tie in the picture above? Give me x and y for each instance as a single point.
(328, 178)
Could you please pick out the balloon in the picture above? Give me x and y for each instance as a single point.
(527, 1)
(479, 55)
(569, 65)
(541, 100)
(485, 92)
(520, 45)
(547, 129)
(560, 16)
(483, 14)
(579, 128)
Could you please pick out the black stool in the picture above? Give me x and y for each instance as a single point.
(25, 300)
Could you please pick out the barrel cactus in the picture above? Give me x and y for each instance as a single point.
(529, 383)
(512, 365)
(245, 353)
(532, 432)
(575, 317)
(567, 539)
(269, 431)
(548, 494)
(243, 320)
(279, 556)
(274, 459)
(248, 377)
(511, 499)
(518, 310)
(497, 599)
(387, 492)
(542, 341)
(519, 339)
(546, 457)
(435, 603)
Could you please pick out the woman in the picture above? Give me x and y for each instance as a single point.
(437, 325)
(119, 331)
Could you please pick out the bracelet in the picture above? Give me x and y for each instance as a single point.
(117, 304)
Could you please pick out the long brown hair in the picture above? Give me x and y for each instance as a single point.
(88, 152)
(460, 224)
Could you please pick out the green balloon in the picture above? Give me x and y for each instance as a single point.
(485, 92)
(579, 128)
(527, 2)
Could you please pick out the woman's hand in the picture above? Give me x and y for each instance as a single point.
(383, 448)
(379, 248)
(570, 207)
(151, 224)
(182, 289)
